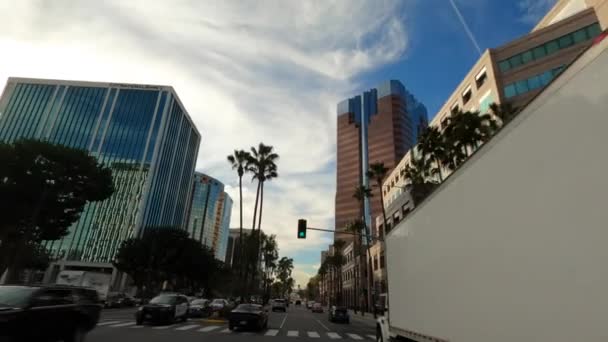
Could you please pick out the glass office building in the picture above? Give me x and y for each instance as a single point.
(142, 132)
(209, 214)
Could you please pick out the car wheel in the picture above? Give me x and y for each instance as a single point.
(78, 334)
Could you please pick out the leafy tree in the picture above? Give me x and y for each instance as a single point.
(43, 190)
(271, 255)
(238, 161)
(504, 111)
(337, 260)
(284, 269)
(465, 132)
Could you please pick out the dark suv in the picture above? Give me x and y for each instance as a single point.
(47, 313)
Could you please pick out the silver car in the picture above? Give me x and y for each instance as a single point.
(279, 305)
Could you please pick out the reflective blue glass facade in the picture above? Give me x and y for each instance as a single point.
(141, 132)
(209, 214)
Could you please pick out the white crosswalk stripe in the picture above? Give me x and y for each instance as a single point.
(164, 327)
(225, 331)
(333, 335)
(209, 328)
(355, 336)
(313, 334)
(122, 325)
(371, 337)
(293, 333)
(271, 332)
(188, 327)
(108, 323)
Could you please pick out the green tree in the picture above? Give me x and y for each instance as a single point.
(270, 255)
(284, 269)
(464, 134)
(356, 227)
(337, 260)
(322, 273)
(416, 176)
(238, 161)
(504, 111)
(43, 190)
(433, 147)
(377, 172)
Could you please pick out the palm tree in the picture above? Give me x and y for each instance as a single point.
(504, 111)
(322, 273)
(238, 161)
(271, 255)
(464, 133)
(416, 175)
(338, 261)
(377, 172)
(362, 192)
(433, 148)
(356, 227)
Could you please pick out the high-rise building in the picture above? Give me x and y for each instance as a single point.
(379, 125)
(516, 72)
(142, 132)
(209, 214)
(233, 246)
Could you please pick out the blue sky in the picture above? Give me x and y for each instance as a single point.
(263, 70)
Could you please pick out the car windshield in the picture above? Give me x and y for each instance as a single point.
(249, 307)
(163, 300)
(199, 302)
(15, 295)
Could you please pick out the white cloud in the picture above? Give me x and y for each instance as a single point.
(533, 10)
(247, 71)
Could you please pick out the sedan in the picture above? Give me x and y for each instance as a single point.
(248, 316)
(317, 307)
(163, 308)
(199, 308)
(339, 314)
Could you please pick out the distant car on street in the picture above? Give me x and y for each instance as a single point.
(298, 302)
(309, 304)
(199, 308)
(248, 316)
(164, 308)
(279, 305)
(119, 300)
(339, 314)
(317, 307)
(219, 304)
(47, 313)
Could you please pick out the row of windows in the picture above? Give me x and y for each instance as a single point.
(550, 47)
(532, 83)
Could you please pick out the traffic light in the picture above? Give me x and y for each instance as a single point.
(301, 229)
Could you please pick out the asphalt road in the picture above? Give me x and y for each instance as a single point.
(118, 325)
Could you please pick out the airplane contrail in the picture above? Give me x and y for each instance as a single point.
(466, 27)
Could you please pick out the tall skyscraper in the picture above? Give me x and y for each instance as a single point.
(209, 214)
(142, 132)
(379, 125)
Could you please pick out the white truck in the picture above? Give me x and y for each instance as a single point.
(96, 280)
(514, 245)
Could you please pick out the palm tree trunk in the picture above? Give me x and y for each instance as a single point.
(240, 245)
(255, 206)
(439, 169)
(261, 206)
(383, 210)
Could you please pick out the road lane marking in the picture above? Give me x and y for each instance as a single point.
(225, 331)
(293, 333)
(137, 327)
(323, 325)
(373, 337)
(209, 328)
(272, 332)
(284, 319)
(333, 335)
(188, 327)
(313, 334)
(108, 323)
(122, 325)
(355, 336)
(164, 327)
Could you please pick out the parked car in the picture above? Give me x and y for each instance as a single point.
(164, 308)
(317, 307)
(47, 313)
(199, 308)
(339, 314)
(248, 316)
(298, 302)
(219, 304)
(309, 304)
(279, 305)
(119, 300)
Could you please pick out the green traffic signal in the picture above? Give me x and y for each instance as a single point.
(301, 229)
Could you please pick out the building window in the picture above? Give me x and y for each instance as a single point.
(466, 96)
(534, 82)
(527, 56)
(444, 123)
(593, 30)
(382, 261)
(552, 47)
(375, 263)
(396, 218)
(516, 61)
(504, 66)
(455, 108)
(580, 36)
(522, 86)
(539, 52)
(531, 83)
(565, 41)
(480, 79)
(381, 231)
